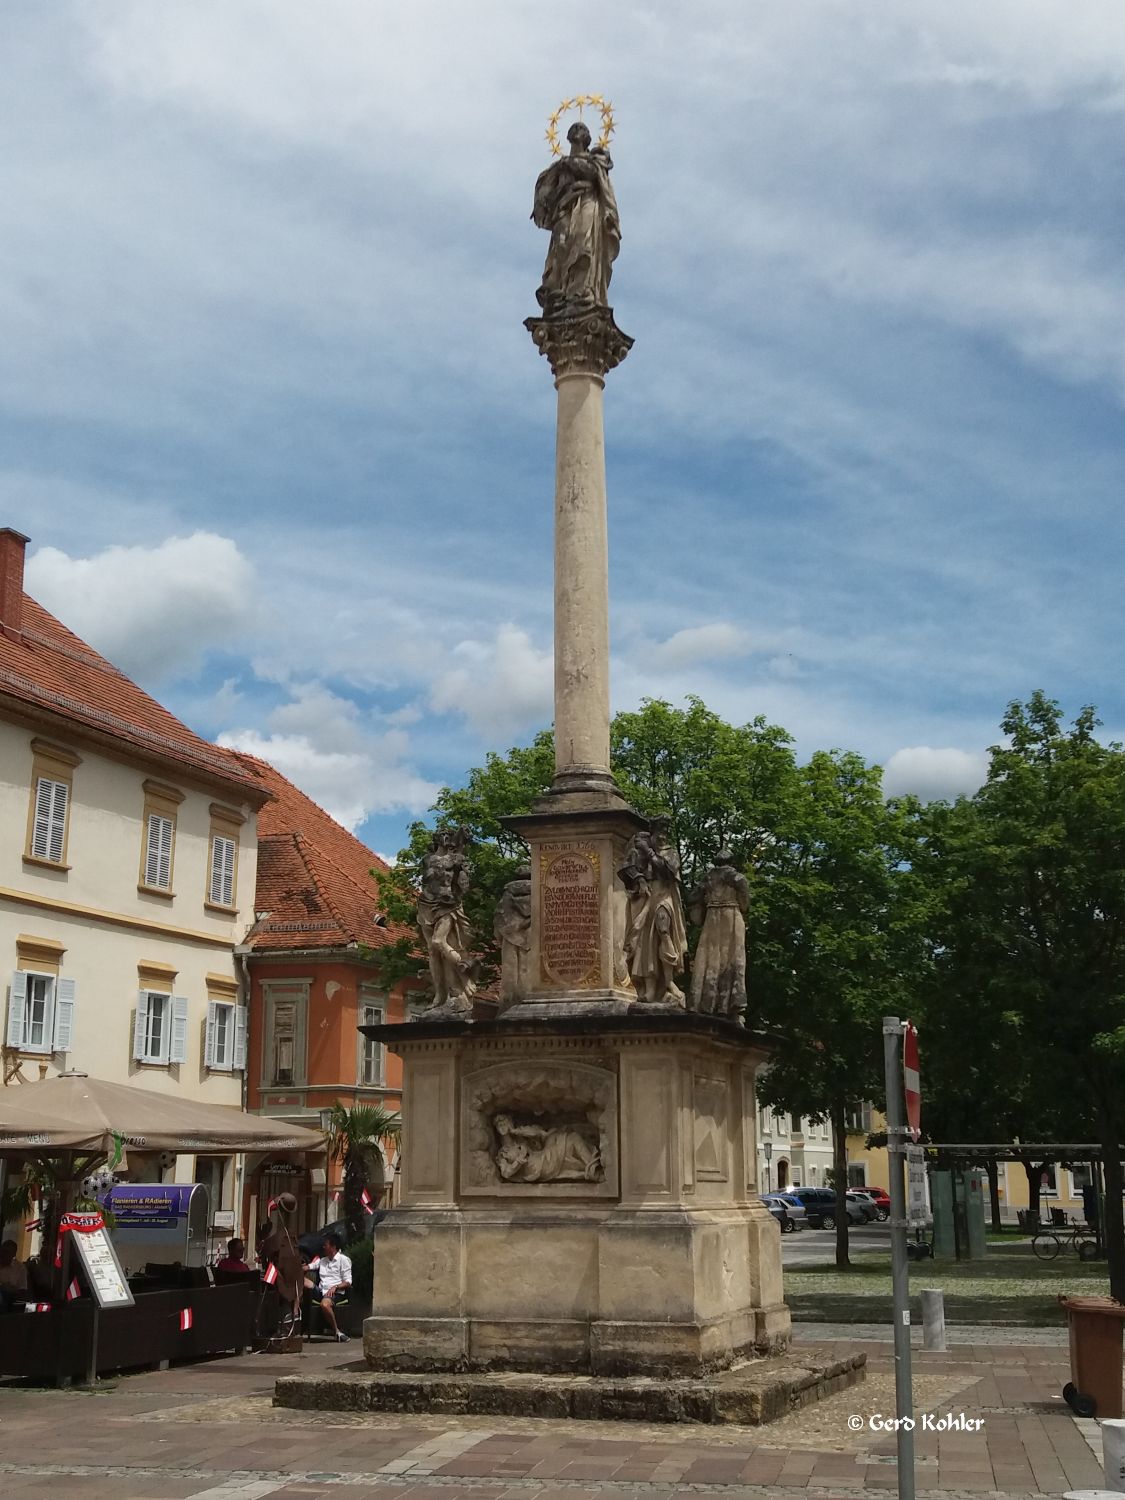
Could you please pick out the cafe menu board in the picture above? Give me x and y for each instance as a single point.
(103, 1269)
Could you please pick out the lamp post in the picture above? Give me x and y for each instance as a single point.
(767, 1147)
(326, 1126)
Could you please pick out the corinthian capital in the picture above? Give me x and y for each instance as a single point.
(589, 344)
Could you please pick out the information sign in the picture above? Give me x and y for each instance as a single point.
(917, 1196)
(103, 1269)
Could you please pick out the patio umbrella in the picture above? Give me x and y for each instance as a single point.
(76, 1113)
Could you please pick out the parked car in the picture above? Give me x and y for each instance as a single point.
(867, 1206)
(793, 1208)
(818, 1203)
(780, 1214)
(880, 1198)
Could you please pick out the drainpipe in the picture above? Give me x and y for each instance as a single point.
(242, 966)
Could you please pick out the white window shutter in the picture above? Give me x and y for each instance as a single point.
(222, 870)
(47, 837)
(17, 1010)
(58, 821)
(240, 1036)
(64, 1014)
(209, 1036)
(177, 1049)
(140, 1026)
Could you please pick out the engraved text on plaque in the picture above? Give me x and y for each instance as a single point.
(570, 914)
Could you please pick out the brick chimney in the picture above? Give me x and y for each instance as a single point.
(12, 545)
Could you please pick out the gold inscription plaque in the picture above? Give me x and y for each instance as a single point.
(570, 927)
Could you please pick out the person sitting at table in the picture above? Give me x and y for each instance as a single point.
(235, 1258)
(13, 1277)
(335, 1280)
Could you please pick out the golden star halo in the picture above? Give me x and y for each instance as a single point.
(579, 102)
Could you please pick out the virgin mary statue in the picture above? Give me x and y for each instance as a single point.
(574, 200)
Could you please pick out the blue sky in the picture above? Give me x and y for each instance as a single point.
(285, 451)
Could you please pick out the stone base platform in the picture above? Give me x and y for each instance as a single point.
(748, 1394)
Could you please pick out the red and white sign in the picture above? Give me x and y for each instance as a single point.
(185, 1320)
(37, 1307)
(270, 1274)
(912, 1080)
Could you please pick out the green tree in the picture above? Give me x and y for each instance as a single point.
(1031, 873)
(354, 1137)
(835, 933)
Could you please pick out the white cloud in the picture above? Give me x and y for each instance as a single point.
(351, 785)
(153, 611)
(701, 643)
(932, 773)
(500, 686)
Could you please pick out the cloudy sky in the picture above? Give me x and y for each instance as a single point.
(284, 449)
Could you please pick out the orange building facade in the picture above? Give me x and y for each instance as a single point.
(311, 962)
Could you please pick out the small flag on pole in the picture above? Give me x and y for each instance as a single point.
(73, 1290)
(33, 1224)
(271, 1205)
(37, 1307)
(365, 1198)
(270, 1275)
(185, 1320)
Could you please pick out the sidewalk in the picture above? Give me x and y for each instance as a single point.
(209, 1432)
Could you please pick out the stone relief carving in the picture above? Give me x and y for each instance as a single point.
(443, 924)
(590, 345)
(655, 935)
(718, 975)
(542, 1150)
(512, 927)
(528, 1126)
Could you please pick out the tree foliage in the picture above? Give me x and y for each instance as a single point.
(354, 1137)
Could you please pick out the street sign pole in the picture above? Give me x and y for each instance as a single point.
(900, 1274)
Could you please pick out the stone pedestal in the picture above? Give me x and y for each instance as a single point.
(577, 1195)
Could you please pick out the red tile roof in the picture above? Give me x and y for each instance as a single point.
(50, 671)
(314, 877)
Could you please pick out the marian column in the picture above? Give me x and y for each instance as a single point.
(578, 833)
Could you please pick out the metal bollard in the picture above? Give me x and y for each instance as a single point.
(1113, 1452)
(933, 1321)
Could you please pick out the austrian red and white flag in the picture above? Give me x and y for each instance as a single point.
(37, 1307)
(73, 1290)
(912, 1079)
(270, 1275)
(185, 1319)
(365, 1198)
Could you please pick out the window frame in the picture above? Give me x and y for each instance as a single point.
(233, 1059)
(55, 764)
(275, 994)
(161, 801)
(373, 1002)
(173, 1034)
(226, 823)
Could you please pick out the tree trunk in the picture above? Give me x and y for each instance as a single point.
(1114, 1225)
(994, 1193)
(1034, 1172)
(840, 1182)
(353, 1188)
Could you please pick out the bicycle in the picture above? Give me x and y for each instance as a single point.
(1049, 1241)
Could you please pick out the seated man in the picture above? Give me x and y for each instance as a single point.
(335, 1279)
(235, 1258)
(13, 1276)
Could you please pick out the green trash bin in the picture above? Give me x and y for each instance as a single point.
(1095, 1327)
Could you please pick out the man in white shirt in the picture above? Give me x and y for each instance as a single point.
(335, 1277)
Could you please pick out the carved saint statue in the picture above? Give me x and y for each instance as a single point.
(512, 926)
(544, 1153)
(718, 975)
(655, 935)
(442, 920)
(575, 201)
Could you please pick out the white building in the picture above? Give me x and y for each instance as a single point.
(127, 870)
(792, 1152)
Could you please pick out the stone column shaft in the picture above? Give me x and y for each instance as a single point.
(581, 582)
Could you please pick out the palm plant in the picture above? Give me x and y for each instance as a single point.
(354, 1135)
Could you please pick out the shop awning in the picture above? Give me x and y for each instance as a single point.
(76, 1113)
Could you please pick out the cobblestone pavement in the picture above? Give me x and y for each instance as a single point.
(209, 1432)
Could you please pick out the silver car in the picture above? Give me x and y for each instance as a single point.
(795, 1216)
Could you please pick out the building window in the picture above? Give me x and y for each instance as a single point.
(225, 1041)
(158, 841)
(370, 1050)
(795, 1124)
(40, 1012)
(222, 860)
(48, 819)
(778, 1123)
(857, 1174)
(160, 1028)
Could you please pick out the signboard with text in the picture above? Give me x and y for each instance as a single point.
(103, 1270)
(917, 1194)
